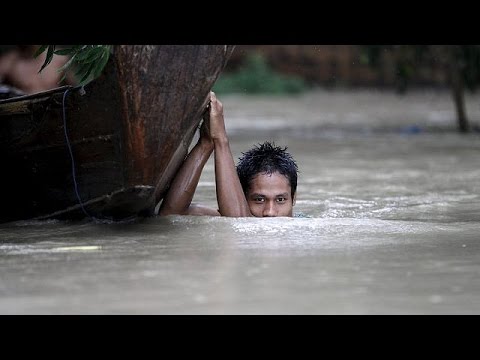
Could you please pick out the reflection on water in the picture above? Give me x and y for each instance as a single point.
(394, 205)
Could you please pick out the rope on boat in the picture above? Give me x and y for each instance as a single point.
(71, 155)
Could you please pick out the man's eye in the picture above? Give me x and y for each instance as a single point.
(281, 199)
(259, 199)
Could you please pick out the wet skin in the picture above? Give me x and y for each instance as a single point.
(270, 195)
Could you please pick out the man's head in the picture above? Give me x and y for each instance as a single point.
(268, 175)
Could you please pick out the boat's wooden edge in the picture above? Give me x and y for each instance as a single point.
(99, 207)
(38, 95)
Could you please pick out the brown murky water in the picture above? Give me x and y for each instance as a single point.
(393, 198)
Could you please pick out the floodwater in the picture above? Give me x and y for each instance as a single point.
(392, 195)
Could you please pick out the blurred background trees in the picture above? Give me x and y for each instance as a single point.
(460, 65)
(292, 69)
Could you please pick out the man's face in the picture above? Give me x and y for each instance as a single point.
(270, 195)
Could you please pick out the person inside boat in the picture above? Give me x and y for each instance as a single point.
(19, 70)
(263, 184)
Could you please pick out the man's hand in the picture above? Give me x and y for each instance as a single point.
(217, 122)
(205, 138)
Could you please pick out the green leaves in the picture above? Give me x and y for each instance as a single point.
(87, 60)
(50, 50)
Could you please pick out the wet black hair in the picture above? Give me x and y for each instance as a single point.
(267, 158)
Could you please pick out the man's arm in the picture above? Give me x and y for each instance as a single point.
(230, 196)
(179, 197)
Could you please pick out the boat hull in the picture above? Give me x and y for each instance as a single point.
(127, 133)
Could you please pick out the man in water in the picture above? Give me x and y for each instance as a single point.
(264, 183)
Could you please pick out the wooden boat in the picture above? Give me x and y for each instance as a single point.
(129, 131)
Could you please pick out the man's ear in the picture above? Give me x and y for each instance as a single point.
(294, 198)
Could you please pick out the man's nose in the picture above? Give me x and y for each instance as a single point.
(269, 210)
